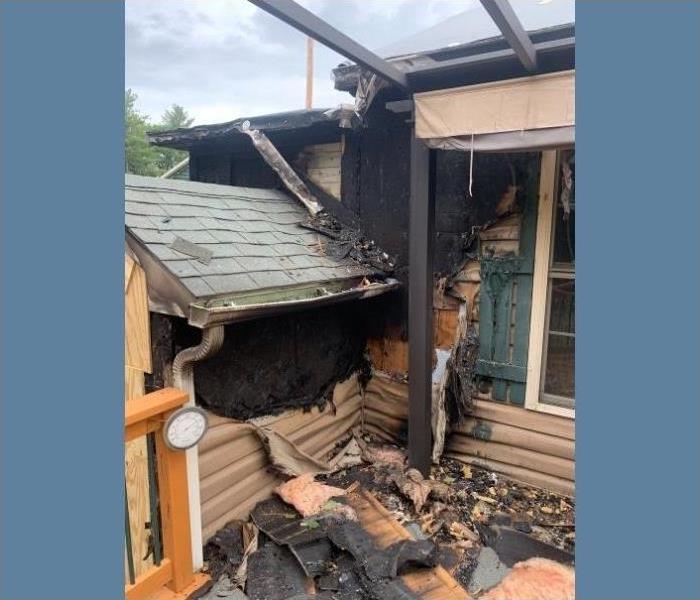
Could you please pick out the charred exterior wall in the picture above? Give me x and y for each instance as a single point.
(376, 187)
(293, 360)
(237, 162)
(268, 365)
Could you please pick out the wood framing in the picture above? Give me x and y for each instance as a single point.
(137, 336)
(153, 404)
(143, 415)
(540, 285)
(150, 582)
(175, 512)
(137, 360)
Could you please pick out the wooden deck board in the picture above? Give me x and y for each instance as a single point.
(428, 584)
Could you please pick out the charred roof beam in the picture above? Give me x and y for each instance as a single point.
(503, 15)
(305, 21)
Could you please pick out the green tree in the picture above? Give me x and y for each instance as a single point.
(141, 158)
(175, 117)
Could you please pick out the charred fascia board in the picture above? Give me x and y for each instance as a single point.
(167, 295)
(185, 138)
(493, 53)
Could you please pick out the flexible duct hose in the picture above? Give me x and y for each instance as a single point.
(183, 365)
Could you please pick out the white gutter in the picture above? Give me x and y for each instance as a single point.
(183, 378)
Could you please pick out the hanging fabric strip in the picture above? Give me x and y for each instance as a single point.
(471, 167)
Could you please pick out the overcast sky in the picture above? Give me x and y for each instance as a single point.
(223, 59)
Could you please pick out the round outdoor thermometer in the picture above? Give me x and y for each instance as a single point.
(185, 428)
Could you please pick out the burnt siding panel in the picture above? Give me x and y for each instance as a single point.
(350, 167)
(212, 168)
(376, 187)
(449, 252)
(385, 183)
(253, 171)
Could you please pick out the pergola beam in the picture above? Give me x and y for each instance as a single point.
(420, 305)
(495, 57)
(305, 21)
(503, 15)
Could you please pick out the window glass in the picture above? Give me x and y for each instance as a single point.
(564, 219)
(558, 387)
(559, 374)
(561, 307)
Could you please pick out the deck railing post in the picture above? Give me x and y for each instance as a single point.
(420, 304)
(175, 512)
(145, 416)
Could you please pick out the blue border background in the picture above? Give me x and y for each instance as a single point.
(61, 436)
(637, 360)
(61, 313)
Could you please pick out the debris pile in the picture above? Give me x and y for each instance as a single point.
(347, 242)
(380, 530)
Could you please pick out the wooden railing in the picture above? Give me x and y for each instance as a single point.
(147, 415)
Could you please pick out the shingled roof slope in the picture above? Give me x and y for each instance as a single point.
(254, 237)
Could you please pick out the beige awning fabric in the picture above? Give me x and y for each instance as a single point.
(543, 103)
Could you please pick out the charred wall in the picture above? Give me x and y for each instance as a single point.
(270, 364)
(235, 161)
(376, 187)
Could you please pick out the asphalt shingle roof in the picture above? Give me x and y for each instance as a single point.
(250, 239)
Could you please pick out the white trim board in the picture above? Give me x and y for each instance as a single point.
(540, 283)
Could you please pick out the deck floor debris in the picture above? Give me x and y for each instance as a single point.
(473, 534)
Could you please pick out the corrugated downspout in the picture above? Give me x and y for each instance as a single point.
(183, 365)
(183, 378)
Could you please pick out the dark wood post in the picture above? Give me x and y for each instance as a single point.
(420, 304)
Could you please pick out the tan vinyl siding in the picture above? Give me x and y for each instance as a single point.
(322, 165)
(233, 464)
(524, 445)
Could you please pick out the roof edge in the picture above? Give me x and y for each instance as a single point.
(284, 121)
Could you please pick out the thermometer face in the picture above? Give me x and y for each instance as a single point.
(185, 428)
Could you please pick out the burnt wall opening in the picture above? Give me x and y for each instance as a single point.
(280, 362)
(268, 365)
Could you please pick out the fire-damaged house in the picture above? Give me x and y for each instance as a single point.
(353, 292)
